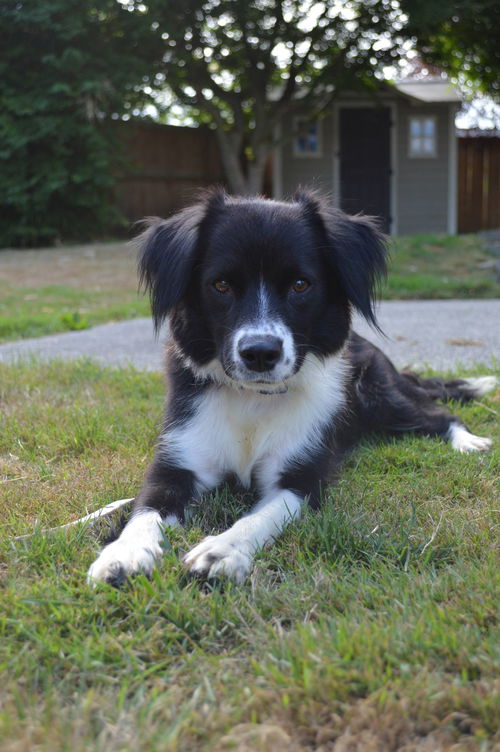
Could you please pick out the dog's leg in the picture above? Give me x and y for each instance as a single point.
(398, 403)
(160, 504)
(405, 415)
(230, 554)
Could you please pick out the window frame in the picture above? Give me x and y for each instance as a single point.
(298, 120)
(419, 153)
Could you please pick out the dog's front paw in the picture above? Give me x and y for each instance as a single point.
(120, 559)
(219, 556)
(463, 441)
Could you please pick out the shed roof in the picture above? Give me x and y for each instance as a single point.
(428, 90)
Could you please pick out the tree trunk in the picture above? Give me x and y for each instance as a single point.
(256, 169)
(230, 148)
(255, 176)
(230, 145)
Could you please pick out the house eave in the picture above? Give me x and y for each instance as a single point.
(428, 91)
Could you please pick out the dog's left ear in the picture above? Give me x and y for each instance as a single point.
(356, 251)
(167, 254)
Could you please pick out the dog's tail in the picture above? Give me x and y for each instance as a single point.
(460, 390)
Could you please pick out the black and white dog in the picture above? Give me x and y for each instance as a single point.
(268, 384)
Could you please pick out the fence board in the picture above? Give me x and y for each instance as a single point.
(164, 167)
(478, 184)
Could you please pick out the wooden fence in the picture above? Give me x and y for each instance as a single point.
(165, 166)
(478, 184)
(168, 164)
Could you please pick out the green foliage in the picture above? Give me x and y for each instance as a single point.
(245, 66)
(74, 321)
(460, 36)
(66, 67)
(69, 67)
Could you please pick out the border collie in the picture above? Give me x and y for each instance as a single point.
(267, 383)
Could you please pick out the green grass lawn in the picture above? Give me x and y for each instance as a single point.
(104, 287)
(371, 626)
(440, 266)
(37, 311)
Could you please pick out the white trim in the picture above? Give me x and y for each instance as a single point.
(393, 150)
(452, 173)
(393, 181)
(336, 154)
(278, 163)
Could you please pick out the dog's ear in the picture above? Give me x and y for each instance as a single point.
(356, 251)
(167, 251)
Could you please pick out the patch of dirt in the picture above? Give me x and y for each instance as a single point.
(95, 266)
(257, 737)
(449, 722)
(465, 342)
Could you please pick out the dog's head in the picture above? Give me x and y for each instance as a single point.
(250, 286)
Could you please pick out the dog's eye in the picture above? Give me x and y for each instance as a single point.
(222, 286)
(300, 285)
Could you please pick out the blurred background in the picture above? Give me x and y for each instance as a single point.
(114, 109)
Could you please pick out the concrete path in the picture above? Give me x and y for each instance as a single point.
(441, 334)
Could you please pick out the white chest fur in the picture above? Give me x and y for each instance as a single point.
(253, 435)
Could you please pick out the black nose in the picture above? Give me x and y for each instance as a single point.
(260, 353)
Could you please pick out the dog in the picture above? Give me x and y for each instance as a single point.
(267, 382)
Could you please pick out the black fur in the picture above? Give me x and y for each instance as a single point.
(243, 281)
(346, 256)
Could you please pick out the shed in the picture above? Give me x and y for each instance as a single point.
(393, 155)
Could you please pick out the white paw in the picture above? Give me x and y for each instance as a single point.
(463, 441)
(219, 556)
(120, 559)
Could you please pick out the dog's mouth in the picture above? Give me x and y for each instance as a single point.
(275, 381)
(260, 386)
(266, 387)
(261, 383)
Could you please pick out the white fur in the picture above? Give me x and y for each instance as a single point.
(464, 441)
(136, 550)
(230, 553)
(480, 385)
(253, 436)
(242, 432)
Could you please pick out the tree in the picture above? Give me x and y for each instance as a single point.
(244, 66)
(459, 36)
(65, 66)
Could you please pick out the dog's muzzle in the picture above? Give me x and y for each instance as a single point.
(260, 353)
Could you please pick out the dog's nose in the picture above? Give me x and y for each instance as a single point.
(260, 353)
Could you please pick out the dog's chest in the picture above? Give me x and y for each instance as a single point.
(252, 435)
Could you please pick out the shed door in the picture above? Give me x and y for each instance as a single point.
(365, 161)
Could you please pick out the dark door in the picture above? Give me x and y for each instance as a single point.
(365, 162)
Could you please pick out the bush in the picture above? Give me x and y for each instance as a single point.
(68, 66)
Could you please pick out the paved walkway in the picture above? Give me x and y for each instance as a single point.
(441, 334)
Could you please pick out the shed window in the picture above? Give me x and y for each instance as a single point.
(307, 142)
(422, 137)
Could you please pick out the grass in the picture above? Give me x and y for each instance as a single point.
(54, 290)
(35, 312)
(440, 266)
(370, 626)
(69, 288)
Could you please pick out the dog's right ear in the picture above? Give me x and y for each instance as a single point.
(167, 250)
